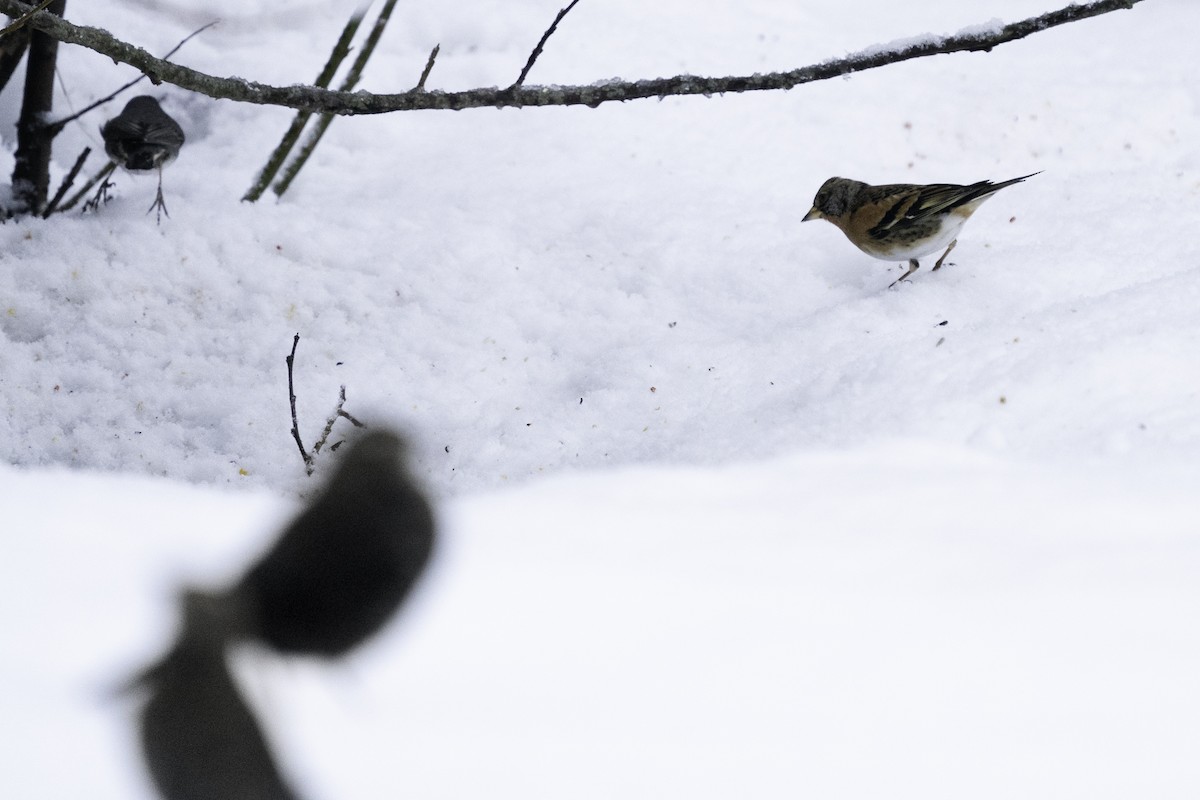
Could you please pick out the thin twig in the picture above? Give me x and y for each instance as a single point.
(102, 175)
(12, 53)
(340, 50)
(537, 51)
(66, 183)
(348, 83)
(291, 360)
(310, 144)
(338, 412)
(428, 67)
(343, 102)
(189, 37)
(55, 127)
(20, 21)
(353, 420)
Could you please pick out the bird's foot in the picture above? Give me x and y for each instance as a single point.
(101, 196)
(160, 205)
(938, 265)
(913, 266)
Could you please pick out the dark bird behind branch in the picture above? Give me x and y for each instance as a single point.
(143, 138)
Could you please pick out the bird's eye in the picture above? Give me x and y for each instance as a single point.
(828, 204)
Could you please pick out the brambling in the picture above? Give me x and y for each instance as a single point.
(901, 221)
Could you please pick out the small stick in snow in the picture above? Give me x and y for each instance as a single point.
(339, 411)
(291, 360)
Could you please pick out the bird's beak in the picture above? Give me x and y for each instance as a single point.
(812, 214)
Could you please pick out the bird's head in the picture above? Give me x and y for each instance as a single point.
(834, 199)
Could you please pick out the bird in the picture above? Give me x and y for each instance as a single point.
(898, 222)
(143, 138)
(199, 738)
(342, 568)
(331, 580)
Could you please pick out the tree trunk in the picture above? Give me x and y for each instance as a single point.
(31, 173)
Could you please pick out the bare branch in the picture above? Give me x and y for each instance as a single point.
(12, 50)
(338, 412)
(353, 421)
(340, 50)
(340, 102)
(189, 37)
(52, 206)
(102, 175)
(433, 54)
(349, 82)
(20, 21)
(291, 360)
(537, 51)
(56, 127)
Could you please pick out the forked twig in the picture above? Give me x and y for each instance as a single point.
(339, 411)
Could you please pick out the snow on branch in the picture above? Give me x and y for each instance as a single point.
(308, 98)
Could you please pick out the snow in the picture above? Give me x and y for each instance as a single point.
(721, 515)
(900, 45)
(992, 26)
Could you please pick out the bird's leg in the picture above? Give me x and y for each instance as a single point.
(913, 266)
(159, 203)
(938, 265)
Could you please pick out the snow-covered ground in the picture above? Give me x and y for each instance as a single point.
(722, 515)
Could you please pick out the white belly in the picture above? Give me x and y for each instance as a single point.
(946, 234)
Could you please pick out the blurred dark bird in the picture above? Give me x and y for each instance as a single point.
(335, 576)
(143, 138)
(340, 570)
(199, 738)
